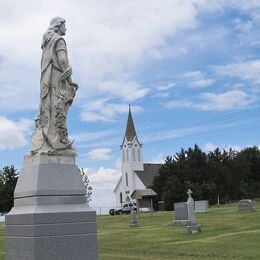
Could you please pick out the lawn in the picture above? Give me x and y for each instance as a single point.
(226, 234)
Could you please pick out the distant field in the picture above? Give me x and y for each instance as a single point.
(226, 234)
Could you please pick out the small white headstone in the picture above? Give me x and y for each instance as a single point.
(201, 206)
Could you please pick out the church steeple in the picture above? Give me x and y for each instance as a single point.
(130, 132)
(131, 159)
(131, 148)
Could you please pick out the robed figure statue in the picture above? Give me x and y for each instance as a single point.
(56, 94)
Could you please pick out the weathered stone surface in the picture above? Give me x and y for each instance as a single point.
(39, 177)
(134, 221)
(201, 206)
(42, 227)
(192, 226)
(50, 219)
(247, 205)
(181, 213)
(56, 95)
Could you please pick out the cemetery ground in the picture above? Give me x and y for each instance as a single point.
(226, 234)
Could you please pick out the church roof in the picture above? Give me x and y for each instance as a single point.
(130, 132)
(141, 193)
(148, 174)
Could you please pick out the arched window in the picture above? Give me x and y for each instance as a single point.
(121, 197)
(126, 179)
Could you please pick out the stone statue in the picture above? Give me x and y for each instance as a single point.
(56, 94)
(50, 196)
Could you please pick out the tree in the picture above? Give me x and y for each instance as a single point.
(230, 174)
(88, 188)
(8, 179)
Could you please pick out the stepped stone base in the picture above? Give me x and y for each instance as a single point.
(193, 229)
(50, 219)
(180, 222)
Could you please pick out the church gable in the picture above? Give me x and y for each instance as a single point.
(148, 174)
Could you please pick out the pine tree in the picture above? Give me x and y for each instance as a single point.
(8, 179)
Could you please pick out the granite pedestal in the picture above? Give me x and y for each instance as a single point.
(50, 219)
(192, 226)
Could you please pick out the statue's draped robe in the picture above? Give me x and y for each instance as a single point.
(55, 98)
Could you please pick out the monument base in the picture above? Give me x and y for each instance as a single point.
(51, 232)
(193, 229)
(180, 222)
(50, 219)
(135, 224)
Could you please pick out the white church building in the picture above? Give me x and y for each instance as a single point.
(136, 176)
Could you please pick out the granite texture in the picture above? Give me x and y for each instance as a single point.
(51, 232)
(50, 219)
(181, 213)
(57, 92)
(53, 178)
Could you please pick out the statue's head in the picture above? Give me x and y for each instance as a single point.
(58, 25)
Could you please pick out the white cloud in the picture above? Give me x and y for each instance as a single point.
(101, 154)
(159, 158)
(91, 136)
(248, 70)
(165, 87)
(101, 110)
(12, 133)
(126, 90)
(197, 79)
(214, 5)
(224, 101)
(103, 181)
(106, 40)
(195, 73)
(210, 147)
(162, 95)
(202, 83)
(179, 103)
(211, 101)
(163, 90)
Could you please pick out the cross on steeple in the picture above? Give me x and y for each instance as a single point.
(189, 192)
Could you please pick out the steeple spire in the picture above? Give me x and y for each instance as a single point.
(130, 132)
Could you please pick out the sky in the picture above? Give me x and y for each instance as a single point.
(189, 68)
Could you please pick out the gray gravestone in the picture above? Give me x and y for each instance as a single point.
(161, 205)
(181, 213)
(192, 226)
(50, 219)
(247, 205)
(134, 221)
(201, 206)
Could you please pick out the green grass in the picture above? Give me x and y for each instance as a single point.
(226, 234)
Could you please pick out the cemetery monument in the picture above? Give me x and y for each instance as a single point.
(192, 226)
(247, 205)
(50, 219)
(201, 206)
(134, 220)
(181, 213)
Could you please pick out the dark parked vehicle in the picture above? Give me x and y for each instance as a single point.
(124, 209)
